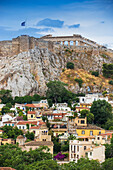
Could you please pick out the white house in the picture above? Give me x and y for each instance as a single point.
(90, 98)
(5, 118)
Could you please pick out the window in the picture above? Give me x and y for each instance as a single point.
(98, 138)
(82, 121)
(78, 148)
(83, 132)
(19, 127)
(91, 133)
(90, 153)
(78, 121)
(23, 127)
(12, 124)
(84, 147)
(77, 156)
(99, 132)
(31, 116)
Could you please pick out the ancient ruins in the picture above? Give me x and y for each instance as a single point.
(24, 43)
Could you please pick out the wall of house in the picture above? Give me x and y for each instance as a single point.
(87, 132)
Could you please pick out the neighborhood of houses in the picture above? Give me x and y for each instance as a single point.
(90, 139)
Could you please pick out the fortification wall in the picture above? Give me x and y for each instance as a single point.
(21, 44)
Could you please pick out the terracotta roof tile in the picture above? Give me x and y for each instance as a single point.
(27, 122)
(39, 143)
(90, 126)
(31, 112)
(30, 105)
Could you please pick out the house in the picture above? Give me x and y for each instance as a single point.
(36, 144)
(5, 118)
(30, 106)
(20, 106)
(90, 98)
(10, 123)
(41, 132)
(20, 140)
(79, 149)
(80, 121)
(58, 131)
(78, 108)
(7, 141)
(34, 116)
(89, 130)
(86, 105)
(61, 107)
(23, 124)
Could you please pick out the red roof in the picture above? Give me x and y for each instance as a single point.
(35, 127)
(31, 112)
(82, 108)
(30, 105)
(27, 122)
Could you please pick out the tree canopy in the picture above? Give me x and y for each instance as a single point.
(58, 93)
(102, 111)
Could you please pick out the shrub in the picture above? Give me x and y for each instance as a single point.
(63, 69)
(95, 73)
(79, 81)
(70, 65)
(111, 82)
(107, 70)
(68, 75)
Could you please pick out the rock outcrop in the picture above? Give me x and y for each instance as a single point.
(28, 72)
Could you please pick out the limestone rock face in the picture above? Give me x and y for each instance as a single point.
(28, 72)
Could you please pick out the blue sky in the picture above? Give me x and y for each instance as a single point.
(92, 19)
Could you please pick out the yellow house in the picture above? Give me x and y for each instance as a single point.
(34, 116)
(80, 121)
(89, 130)
(79, 108)
(87, 105)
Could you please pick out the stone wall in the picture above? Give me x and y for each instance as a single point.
(21, 44)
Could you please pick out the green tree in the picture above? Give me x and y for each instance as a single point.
(50, 102)
(9, 105)
(30, 135)
(109, 149)
(5, 110)
(58, 93)
(5, 96)
(109, 124)
(108, 164)
(107, 70)
(102, 111)
(44, 165)
(70, 65)
(79, 81)
(95, 73)
(90, 117)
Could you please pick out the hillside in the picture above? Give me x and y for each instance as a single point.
(29, 71)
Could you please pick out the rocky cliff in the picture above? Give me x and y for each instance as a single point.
(28, 72)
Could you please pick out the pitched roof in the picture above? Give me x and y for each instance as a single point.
(90, 126)
(30, 105)
(20, 137)
(27, 122)
(6, 168)
(31, 112)
(39, 143)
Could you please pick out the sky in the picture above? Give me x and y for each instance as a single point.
(92, 19)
